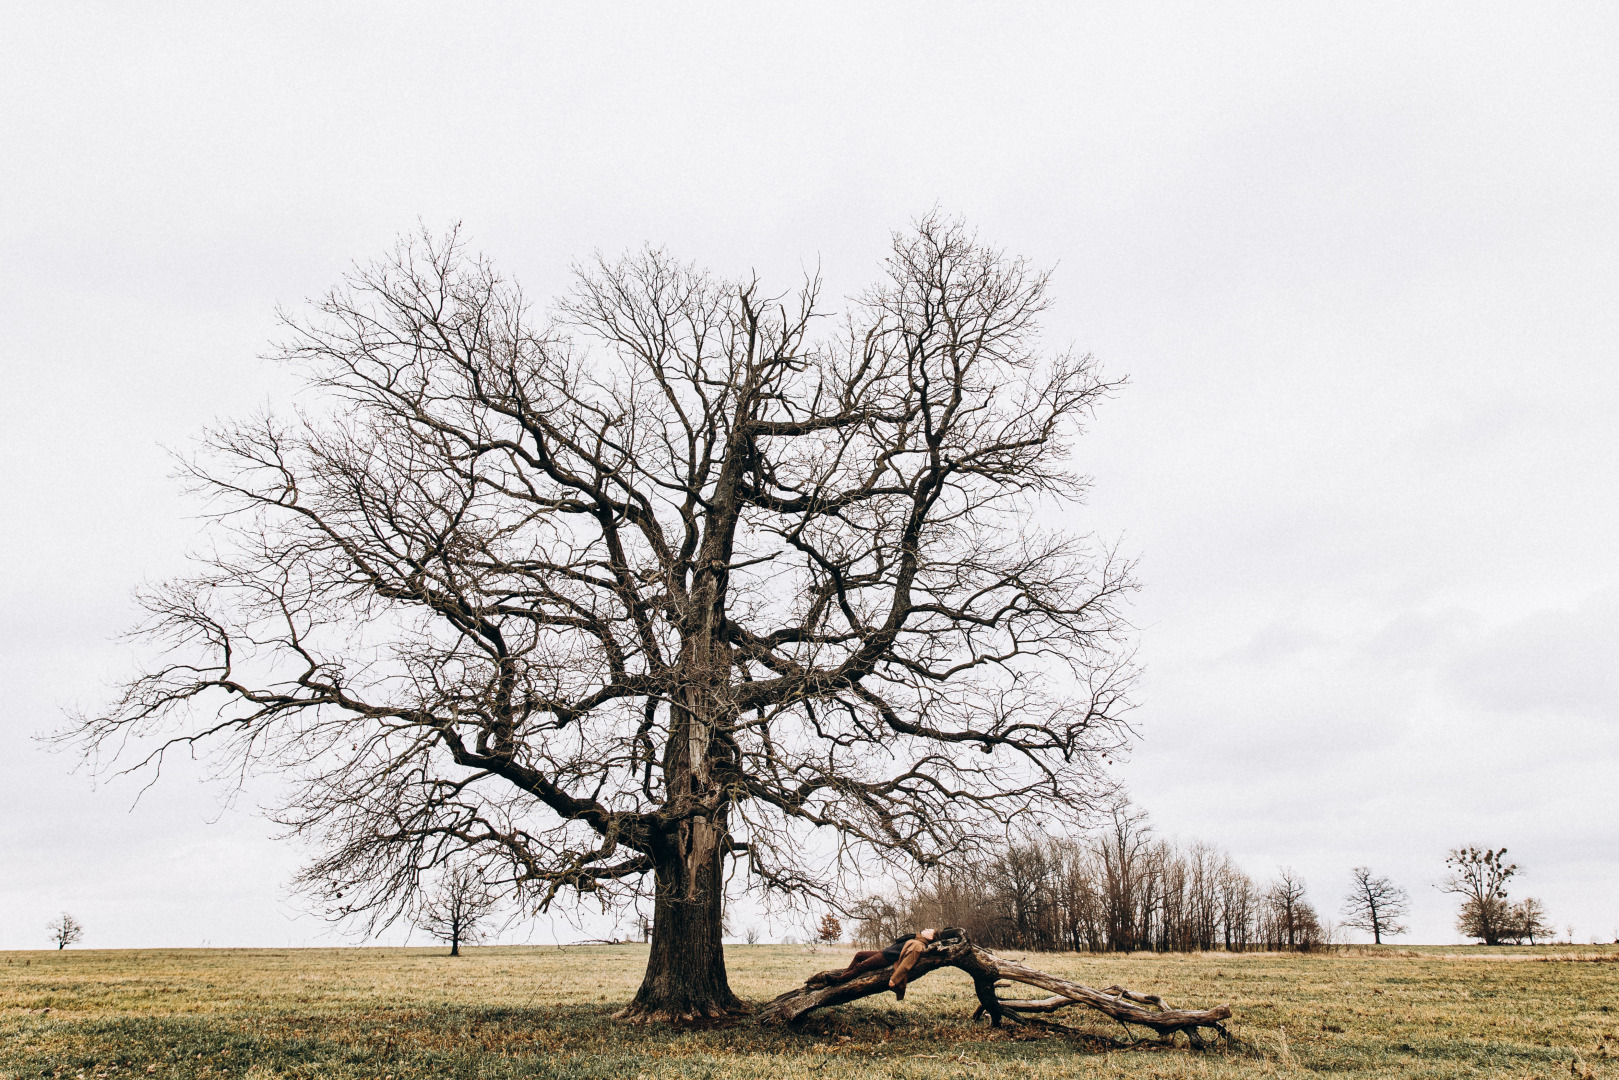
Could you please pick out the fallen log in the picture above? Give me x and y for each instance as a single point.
(986, 969)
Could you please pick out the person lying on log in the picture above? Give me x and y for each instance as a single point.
(903, 953)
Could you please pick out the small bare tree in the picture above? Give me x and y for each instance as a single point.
(65, 930)
(1526, 921)
(1375, 905)
(1479, 876)
(685, 575)
(454, 909)
(1124, 850)
(881, 920)
(1289, 920)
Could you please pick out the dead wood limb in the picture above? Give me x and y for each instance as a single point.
(1050, 1004)
(986, 969)
(794, 1004)
(1121, 1004)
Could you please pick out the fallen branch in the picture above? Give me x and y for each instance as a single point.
(985, 968)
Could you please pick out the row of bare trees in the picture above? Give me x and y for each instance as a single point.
(1121, 888)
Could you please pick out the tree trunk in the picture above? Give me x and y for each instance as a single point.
(685, 974)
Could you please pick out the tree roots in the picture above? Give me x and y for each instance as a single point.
(712, 1014)
(691, 1019)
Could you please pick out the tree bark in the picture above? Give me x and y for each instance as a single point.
(986, 969)
(685, 979)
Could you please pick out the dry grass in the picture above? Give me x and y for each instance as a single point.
(393, 1014)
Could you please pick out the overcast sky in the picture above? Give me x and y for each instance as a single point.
(1360, 266)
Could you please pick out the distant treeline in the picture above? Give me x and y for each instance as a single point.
(1119, 889)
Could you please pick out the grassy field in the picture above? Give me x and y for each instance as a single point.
(392, 1014)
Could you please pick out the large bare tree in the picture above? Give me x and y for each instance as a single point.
(686, 574)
